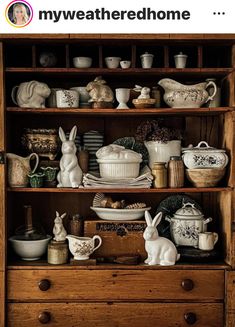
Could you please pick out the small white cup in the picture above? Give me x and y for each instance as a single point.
(207, 240)
(125, 64)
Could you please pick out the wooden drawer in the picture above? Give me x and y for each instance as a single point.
(115, 314)
(126, 284)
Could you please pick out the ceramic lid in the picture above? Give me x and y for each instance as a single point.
(146, 54)
(200, 148)
(181, 54)
(188, 211)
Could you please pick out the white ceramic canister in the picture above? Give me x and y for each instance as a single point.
(67, 99)
(180, 60)
(146, 60)
(161, 152)
(204, 157)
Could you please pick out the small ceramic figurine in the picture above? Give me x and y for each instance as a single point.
(58, 229)
(161, 251)
(98, 91)
(30, 94)
(70, 174)
(144, 92)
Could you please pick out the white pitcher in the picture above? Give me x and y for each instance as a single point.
(19, 168)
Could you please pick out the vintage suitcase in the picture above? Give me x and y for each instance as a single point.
(118, 237)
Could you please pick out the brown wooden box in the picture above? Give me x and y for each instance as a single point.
(118, 237)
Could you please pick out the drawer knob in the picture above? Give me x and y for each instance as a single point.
(44, 317)
(190, 318)
(187, 284)
(44, 285)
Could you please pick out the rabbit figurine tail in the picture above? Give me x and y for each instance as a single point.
(161, 251)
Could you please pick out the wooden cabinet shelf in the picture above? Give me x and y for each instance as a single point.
(122, 112)
(104, 289)
(202, 72)
(121, 190)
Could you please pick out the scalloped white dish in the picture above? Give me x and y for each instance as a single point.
(119, 214)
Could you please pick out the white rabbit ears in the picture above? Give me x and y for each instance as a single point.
(62, 216)
(72, 134)
(153, 222)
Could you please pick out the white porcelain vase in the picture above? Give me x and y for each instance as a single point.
(161, 152)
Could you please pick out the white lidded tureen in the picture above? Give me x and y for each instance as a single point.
(186, 224)
(204, 157)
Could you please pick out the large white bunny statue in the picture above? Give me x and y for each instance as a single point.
(161, 251)
(70, 174)
(58, 229)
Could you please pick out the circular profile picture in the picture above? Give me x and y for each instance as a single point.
(19, 13)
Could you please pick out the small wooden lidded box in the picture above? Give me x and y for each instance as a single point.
(118, 237)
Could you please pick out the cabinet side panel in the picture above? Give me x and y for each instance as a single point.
(229, 144)
(2, 166)
(225, 212)
(230, 296)
(2, 299)
(2, 192)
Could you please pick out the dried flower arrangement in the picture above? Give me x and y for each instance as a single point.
(154, 130)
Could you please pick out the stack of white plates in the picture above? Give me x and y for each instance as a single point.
(92, 141)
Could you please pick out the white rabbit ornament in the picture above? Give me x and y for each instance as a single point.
(58, 229)
(161, 251)
(70, 174)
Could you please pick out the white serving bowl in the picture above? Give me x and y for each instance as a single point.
(82, 62)
(29, 249)
(119, 214)
(112, 62)
(118, 169)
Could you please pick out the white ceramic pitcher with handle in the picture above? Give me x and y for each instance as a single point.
(19, 168)
(178, 95)
(82, 247)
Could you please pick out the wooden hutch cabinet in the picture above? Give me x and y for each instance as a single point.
(190, 293)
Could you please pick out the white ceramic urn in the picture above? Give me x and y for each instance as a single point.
(186, 224)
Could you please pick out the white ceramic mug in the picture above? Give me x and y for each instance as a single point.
(83, 247)
(67, 99)
(207, 240)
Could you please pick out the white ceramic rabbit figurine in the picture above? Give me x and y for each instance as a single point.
(58, 229)
(70, 174)
(161, 251)
(144, 92)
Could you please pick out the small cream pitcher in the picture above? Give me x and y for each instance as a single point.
(19, 168)
(207, 240)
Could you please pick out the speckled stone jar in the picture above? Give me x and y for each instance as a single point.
(57, 252)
